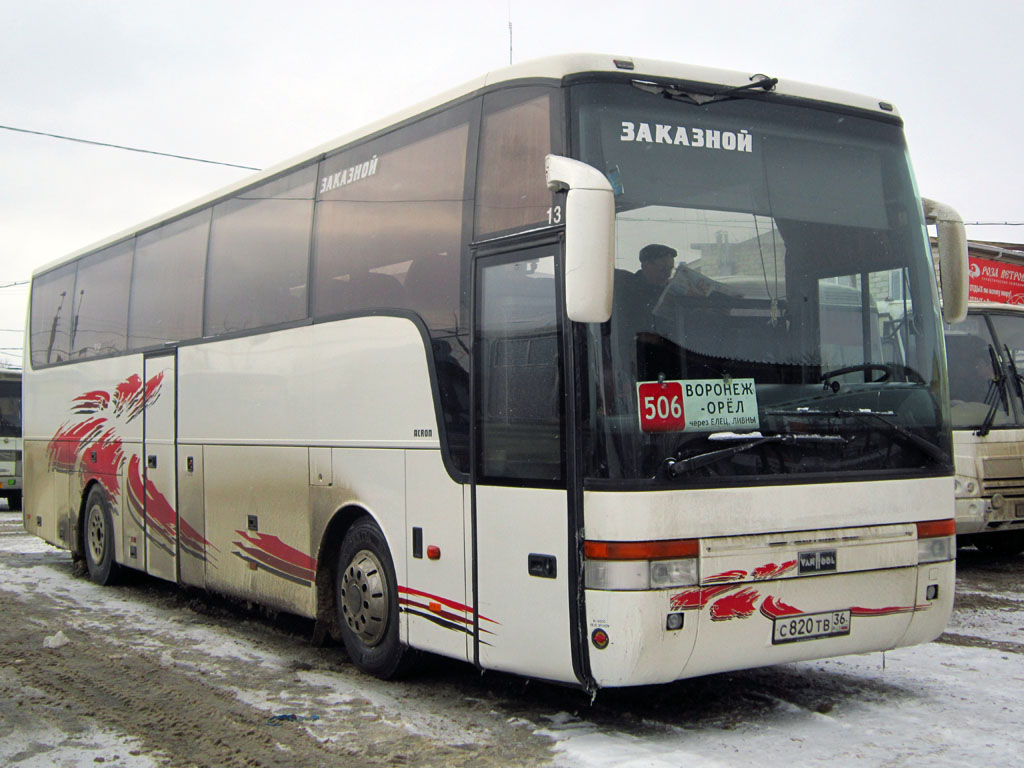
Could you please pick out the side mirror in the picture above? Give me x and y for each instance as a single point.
(589, 237)
(952, 240)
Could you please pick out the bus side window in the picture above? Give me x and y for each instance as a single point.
(515, 137)
(383, 206)
(258, 261)
(174, 254)
(521, 397)
(99, 314)
(50, 331)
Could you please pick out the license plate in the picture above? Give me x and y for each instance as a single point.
(810, 626)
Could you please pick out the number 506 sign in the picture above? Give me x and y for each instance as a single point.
(661, 406)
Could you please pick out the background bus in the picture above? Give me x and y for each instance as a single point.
(394, 390)
(10, 437)
(986, 361)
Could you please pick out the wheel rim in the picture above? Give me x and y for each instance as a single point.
(364, 597)
(97, 534)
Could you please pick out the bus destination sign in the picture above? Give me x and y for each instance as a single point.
(697, 405)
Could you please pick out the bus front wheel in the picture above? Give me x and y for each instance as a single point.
(367, 602)
(99, 538)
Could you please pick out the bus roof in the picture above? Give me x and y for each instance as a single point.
(553, 68)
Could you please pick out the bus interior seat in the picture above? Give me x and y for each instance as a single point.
(364, 290)
(431, 288)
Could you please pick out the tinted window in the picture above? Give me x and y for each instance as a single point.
(511, 190)
(10, 407)
(51, 316)
(99, 315)
(259, 255)
(518, 371)
(389, 224)
(167, 283)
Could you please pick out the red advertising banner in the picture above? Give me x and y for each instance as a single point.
(995, 281)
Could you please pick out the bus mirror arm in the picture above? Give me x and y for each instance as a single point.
(952, 240)
(589, 237)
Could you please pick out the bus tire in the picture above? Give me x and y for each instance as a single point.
(367, 601)
(99, 538)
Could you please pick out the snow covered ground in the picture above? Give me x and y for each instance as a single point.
(951, 703)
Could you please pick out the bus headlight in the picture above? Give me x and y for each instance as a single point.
(965, 486)
(937, 550)
(673, 573)
(617, 574)
(936, 541)
(640, 565)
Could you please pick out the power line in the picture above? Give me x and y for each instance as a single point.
(129, 149)
(994, 223)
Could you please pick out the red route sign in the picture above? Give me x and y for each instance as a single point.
(661, 406)
(995, 281)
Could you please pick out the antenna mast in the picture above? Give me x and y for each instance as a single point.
(510, 32)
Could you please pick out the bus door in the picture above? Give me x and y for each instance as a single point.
(159, 466)
(523, 571)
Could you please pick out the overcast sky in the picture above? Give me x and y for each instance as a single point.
(254, 83)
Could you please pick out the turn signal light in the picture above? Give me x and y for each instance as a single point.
(928, 529)
(639, 550)
(640, 565)
(936, 541)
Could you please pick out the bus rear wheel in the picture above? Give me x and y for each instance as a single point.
(367, 602)
(99, 538)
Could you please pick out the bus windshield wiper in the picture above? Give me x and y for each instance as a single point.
(763, 82)
(996, 387)
(883, 417)
(746, 441)
(1018, 382)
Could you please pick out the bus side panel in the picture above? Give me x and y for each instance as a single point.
(926, 625)
(640, 648)
(523, 617)
(371, 385)
(159, 468)
(361, 480)
(82, 425)
(257, 519)
(131, 510)
(434, 593)
(46, 497)
(194, 550)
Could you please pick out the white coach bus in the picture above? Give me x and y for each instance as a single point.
(985, 356)
(420, 386)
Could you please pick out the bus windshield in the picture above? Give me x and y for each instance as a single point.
(10, 407)
(985, 354)
(774, 309)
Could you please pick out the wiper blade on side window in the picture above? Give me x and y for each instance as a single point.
(763, 82)
(676, 467)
